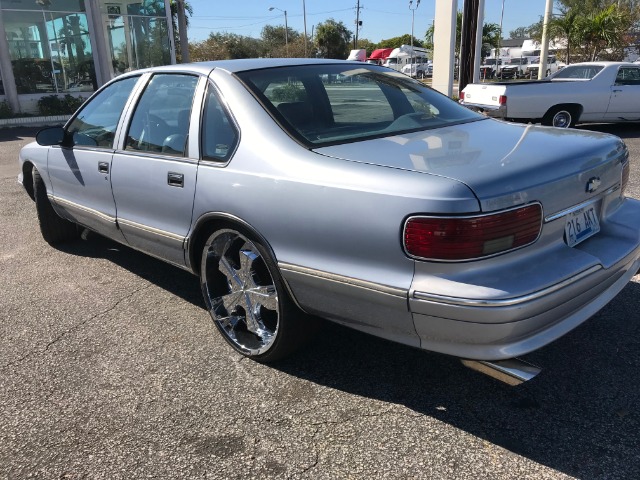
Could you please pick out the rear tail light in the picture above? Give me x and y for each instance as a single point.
(502, 100)
(462, 95)
(468, 238)
(625, 176)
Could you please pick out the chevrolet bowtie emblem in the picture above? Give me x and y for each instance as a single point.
(593, 184)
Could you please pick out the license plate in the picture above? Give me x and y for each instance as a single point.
(581, 225)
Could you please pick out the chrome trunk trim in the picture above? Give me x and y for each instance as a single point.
(575, 208)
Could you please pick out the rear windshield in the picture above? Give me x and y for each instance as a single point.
(332, 103)
(578, 72)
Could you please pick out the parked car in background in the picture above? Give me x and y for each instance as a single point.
(531, 71)
(581, 92)
(81, 86)
(490, 68)
(418, 69)
(390, 209)
(514, 68)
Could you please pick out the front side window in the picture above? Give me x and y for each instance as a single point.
(329, 103)
(628, 76)
(160, 123)
(95, 125)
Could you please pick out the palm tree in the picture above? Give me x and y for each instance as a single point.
(568, 27)
(604, 29)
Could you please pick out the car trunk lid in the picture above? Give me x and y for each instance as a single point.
(504, 164)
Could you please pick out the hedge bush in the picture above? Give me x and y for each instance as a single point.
(56, 105)
(5, 110)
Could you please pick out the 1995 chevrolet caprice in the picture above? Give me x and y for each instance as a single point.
(374, 202)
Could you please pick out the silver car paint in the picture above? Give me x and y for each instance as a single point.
(365, 191)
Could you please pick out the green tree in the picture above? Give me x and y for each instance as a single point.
(604, 30)
(275, 41)
(224, 46)
(188, 12)
(567, 27)
(333, 39)
(520, 32)
(490, 38)
(402, 40)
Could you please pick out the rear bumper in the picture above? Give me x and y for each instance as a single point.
(484, 328)
(489, 110)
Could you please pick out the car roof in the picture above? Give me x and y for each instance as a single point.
(240, 65)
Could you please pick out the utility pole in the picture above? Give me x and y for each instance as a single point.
(542, 69)
(413, 15)
(355, 39)
(182, 31)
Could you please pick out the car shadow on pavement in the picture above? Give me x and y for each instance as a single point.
(622, 130)
(580, 416)
(168, 277)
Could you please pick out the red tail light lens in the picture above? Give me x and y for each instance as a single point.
(468, 238)
(462, 95)
(502, 100)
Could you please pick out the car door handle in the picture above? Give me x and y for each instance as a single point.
(175, 179)
(103, 167)
(617, 90)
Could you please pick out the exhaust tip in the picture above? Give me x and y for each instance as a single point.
(512, 371)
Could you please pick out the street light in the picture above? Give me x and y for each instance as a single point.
(413, 14)
(286, 28)
(304, 18)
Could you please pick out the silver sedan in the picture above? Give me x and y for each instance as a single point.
(372, 201)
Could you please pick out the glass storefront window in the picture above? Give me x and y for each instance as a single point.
(49, 49)
(138, 35)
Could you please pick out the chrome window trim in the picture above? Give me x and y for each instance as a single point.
(156, 156)
(472, 302)
(334, 277)
(575, 208)
(125, 118)
(193, 143)
(478, 215)
(232, 120)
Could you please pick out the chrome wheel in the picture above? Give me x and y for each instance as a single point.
(561, 119)
(240, 292)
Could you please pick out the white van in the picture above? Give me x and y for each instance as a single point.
(406, 55)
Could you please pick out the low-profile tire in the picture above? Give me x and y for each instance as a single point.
(560, 117)
(54, 228)
(247, 299)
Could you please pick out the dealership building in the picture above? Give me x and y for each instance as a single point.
(75, 46)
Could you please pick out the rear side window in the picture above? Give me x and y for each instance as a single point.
(219, 135)
(160, 123)
(96, 124)
(578, 72)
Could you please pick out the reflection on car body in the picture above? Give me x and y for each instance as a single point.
(375, 202)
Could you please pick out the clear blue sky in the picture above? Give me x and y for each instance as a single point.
(381, 19)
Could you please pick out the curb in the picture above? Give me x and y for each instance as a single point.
(34, 121)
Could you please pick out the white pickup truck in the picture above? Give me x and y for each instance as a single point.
(585, 92)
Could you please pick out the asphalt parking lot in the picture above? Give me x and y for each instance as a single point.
(110, 367)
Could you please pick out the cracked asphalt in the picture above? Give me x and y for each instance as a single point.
(111, 368)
